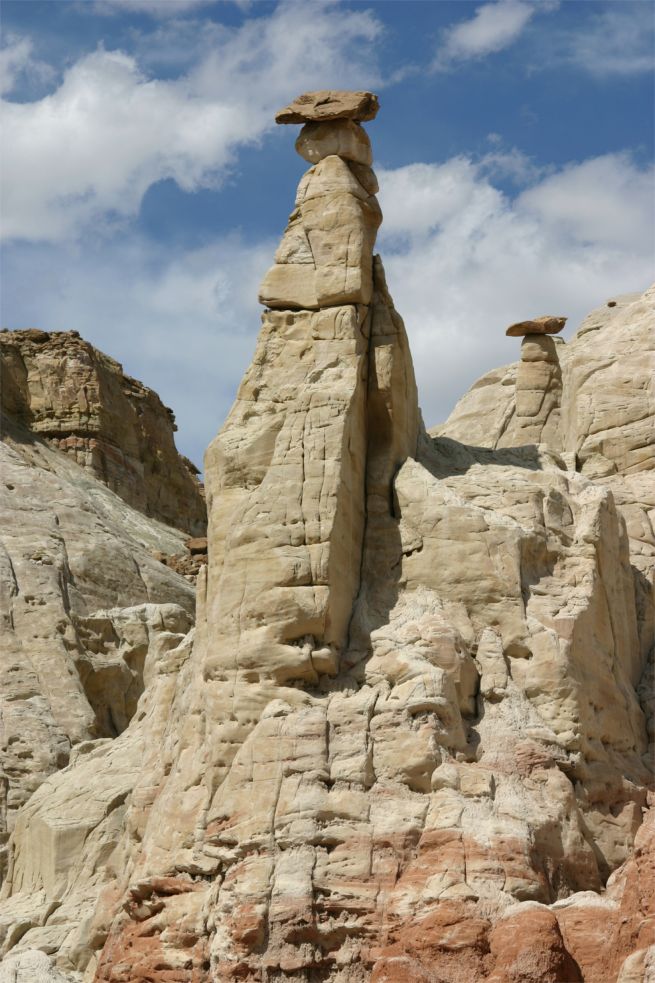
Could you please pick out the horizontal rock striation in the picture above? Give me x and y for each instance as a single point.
(60, 387)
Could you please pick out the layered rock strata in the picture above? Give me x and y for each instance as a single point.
(405, 742)
(324, 259)
(62, 389)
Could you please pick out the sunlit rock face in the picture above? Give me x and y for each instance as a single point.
(77, 399)
(408, 740)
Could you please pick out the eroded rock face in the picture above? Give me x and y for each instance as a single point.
(326, 255)
(407, 740)
(61, 388)
(344, 138)
(82, 600)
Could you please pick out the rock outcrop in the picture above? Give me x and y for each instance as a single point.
(64, 390)
(81, 599)
(408, 740)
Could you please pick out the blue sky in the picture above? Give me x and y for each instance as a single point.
(145, 184)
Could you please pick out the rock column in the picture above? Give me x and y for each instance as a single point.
(286, 473)
(298, 481)
(538, 380)
(325, 257)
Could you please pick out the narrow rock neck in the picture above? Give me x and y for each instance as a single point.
(325, 258)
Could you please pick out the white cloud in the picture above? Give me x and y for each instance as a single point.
(184, 322)
(494, 26)
(606, 202)
(14, 57)
(17, 61)
(617, 41)
(463, 260)
(85, 155)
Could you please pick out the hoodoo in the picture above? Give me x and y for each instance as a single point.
(408, 739)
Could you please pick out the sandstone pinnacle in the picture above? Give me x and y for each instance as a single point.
(546, 324)
(330, 104)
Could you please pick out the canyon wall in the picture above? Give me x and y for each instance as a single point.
(61, 388)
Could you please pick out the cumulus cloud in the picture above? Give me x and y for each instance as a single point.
(85, 155)
(616, 41)
(465, 260)
(184, 322)
(494, 26)
(606, 202)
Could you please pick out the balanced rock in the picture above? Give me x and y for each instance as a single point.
(330, 104)
(342, 137)
(548, 324)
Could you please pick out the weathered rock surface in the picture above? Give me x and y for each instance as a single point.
(547, 324)
(538, 393)
(326, 255)
(343, 138)
(408, 740)
(330, 104)
(31, 966)
(60, 387)
(82, 600)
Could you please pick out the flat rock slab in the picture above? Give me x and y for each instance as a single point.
(330, 104)
(548, 324)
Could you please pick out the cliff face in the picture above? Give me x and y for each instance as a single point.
(60, 387)
(81, 600)
(408, 741)
(83, 595)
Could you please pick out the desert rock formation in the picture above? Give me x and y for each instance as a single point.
(60, 387)
(83, 595)
(408, 739)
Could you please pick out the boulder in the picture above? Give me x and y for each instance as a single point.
(344, 138)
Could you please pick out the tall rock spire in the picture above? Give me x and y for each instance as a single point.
(287, 474)
(298, 480)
